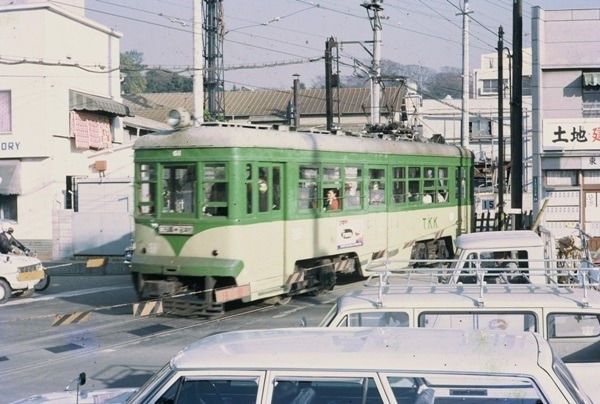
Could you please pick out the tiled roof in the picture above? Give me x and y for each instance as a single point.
(240, 104)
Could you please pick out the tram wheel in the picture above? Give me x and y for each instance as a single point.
(283, 300)
(280, 300)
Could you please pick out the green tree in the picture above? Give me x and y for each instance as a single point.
(446, 83)
(159, 81)
(131, 68)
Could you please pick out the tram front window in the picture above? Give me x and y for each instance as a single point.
(179, 189)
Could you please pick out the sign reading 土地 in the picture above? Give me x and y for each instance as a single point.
(571, 134)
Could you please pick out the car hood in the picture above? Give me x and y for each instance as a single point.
(85, 396)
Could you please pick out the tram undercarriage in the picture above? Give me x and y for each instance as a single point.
(206, 294)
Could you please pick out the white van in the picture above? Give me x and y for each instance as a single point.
(361, 366)
(568, 317)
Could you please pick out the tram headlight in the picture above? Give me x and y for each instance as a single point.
(179, 117)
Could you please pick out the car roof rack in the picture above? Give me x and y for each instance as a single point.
(573, 274)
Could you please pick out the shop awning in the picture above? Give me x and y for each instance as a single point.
(87, 102)
(10, 177)
(591, 79)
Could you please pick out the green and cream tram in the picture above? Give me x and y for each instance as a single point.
(239, 212)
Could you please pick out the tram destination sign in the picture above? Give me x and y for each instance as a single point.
(175, 229)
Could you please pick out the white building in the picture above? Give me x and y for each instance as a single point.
(566, 118)
(60, 123)
(485, 79)
(444, 117)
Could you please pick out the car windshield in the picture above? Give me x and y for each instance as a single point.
(148, 386)
(329, 317)
(565, 375)
(453, 264)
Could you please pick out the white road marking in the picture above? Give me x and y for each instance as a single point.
(40, 298)
(288, 312)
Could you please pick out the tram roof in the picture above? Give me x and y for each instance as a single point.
(377, 349)
(249, 136)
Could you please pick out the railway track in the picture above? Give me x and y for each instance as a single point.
(172, 322)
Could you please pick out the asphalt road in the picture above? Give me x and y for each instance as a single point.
(113, 347)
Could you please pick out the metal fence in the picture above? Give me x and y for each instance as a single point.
(488, 221)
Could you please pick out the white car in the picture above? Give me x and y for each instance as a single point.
(18, 275)
(567, 316)
(361, 365)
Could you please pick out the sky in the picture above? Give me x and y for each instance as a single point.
(266, 42)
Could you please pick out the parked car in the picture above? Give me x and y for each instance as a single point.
(568, 317)
(363, 365)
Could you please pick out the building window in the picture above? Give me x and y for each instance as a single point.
(5, 117)
(8, 207)
(480, 128)
(490, 87)
(591, 94)
(526, 86)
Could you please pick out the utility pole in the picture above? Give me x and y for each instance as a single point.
(464, 135)
(329, 45)
(375, 8)
(297, 100)
(516, 117)
(500, 165)
(213, 53)
(198, 78)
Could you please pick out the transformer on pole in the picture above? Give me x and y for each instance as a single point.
(374, 9)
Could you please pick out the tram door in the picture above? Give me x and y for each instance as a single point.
(267, 207)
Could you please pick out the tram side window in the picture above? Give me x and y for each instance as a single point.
(414, 184)
(276, 203)
(179, 189)
(331, 188)
(429, 185)
(263, 189)
(146, 189)
(376, 186)
(399, 184)
(269, 188)
(249, 184)
(442, 193)
(352, 187)
(214, 188)
(307, 187)
(461, 184)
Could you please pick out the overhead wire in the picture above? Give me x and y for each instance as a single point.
(255, 65)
